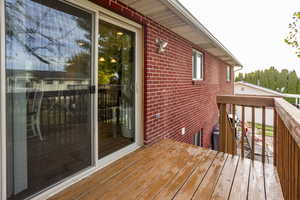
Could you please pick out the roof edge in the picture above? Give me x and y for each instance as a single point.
(190, 17)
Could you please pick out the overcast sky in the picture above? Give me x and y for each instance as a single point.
(253, 30)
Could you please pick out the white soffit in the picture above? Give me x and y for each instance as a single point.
(172, 15)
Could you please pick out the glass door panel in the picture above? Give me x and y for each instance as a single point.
(48, 74)
(116, 83)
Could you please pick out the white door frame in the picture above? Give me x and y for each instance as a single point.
(137, 29)
(2, 104)
(99, 13)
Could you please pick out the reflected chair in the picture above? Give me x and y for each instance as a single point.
(35, 114)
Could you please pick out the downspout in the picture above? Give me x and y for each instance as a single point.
(240, 68)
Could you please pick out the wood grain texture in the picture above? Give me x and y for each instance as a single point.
(207, 186)
(253, 133)
(286, 143)
(172, 170)
(263, 134)
(256, 181)
(240, 185)
(170, 190)
(290, 116)
(223, 186)
(272, 183)
(191, 185)
(243, 132)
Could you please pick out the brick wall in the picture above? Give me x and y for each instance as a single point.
(172, 100)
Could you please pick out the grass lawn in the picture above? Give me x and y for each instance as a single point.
(269, 129)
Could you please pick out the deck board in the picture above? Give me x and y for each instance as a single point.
(224, 184)
(172, 170)
(170, 190)
(239, 188)
(256, 181)
(192, 184)
(207, 186)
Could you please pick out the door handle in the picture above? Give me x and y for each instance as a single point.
(92, 89)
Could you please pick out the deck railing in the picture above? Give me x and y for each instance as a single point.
(286, 135)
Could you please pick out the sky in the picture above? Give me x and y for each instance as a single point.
(252, 30)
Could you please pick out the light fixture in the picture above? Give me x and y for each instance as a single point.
(113, 60)
(120, 33)
(162, 45)
(81, 43)
(101, 59)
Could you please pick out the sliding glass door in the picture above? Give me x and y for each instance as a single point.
(48, 76)
(116, 83)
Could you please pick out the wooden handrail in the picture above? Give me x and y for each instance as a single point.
(286, 136)
(287, 148)
(290, 116)
(246, 100)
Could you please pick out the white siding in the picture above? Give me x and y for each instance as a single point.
(243, 89)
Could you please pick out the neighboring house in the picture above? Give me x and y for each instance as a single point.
(44, 80)
(152, 69)
(244, 88)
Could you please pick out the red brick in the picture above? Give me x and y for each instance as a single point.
(168, 86)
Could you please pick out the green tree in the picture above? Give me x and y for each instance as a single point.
(298, 86)
(293, 38)
(292, 83)
(240, 77)
(282, 81)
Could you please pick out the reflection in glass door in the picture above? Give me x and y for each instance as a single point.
(116, 83)
(48, 74)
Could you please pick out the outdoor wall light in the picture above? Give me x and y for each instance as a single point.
(162, 45)
(120, 33)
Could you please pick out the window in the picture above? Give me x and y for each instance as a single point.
(46, 35)
(197, 65)
(228, 73)
(198, 138)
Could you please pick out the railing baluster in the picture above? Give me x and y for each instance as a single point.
(222, 143)
(275, 137)
(263, 134)
(234, 128)
(286, 140)
(243, 131)
(253, 134)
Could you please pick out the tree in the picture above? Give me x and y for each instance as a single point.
(293, 38)
(292, 83)
(240, 77)
(282, 81)
(298, 86)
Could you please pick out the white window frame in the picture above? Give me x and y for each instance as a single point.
(198, 71)
(228, 74)
(98, 13)
(198, 138)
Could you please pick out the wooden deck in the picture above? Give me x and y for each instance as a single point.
(172, 170)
